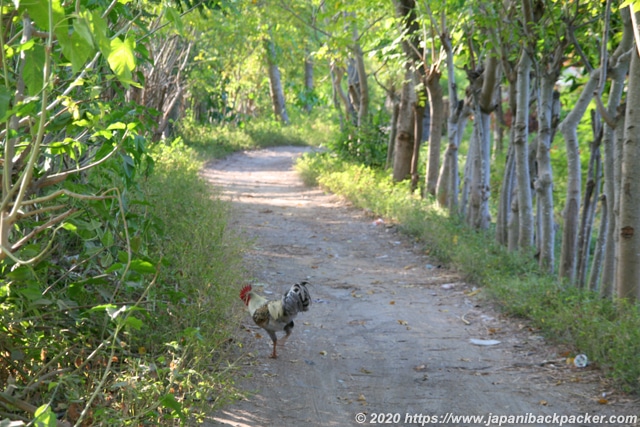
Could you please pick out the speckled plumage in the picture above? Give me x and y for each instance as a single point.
(277, 315)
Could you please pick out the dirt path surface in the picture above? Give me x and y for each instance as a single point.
(389, 330)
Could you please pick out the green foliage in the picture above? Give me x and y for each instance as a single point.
(366, 145)
(114, 289)
(124, 315)
(607, 331)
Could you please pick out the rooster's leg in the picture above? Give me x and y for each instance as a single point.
(275, 340)
(288, 329)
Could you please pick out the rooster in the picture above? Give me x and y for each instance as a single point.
(277, 315)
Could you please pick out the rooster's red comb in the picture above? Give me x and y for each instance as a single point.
(244, 293)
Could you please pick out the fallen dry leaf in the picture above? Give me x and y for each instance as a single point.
(365, 371)
(323, 353)
(544, 402)
(603, 401)
(403, 322)
(392, 302)
(420, 368)
(472, 293)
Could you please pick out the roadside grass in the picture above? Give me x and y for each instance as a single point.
(608, 332)
(202, 268)
(130, 320)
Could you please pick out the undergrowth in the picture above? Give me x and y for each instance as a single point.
(128, 319)
(607, 331)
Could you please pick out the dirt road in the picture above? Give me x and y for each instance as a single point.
(390, 331)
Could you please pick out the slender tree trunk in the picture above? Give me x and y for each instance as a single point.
(392, 133)
(628, 269)
(513, 225)
(275, 83)
(612, 153)
(478, 215)
(363, 109)
(523, 176)
(548, 108)
(506, 192)
(569, 129)
(336, 79)
(591, 196)
(308, 82)
(404, 150)
(598, 256)
(448, 181)
(436, 104)
(404, 136)
(418, 112)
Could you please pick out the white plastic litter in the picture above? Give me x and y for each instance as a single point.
(476, 341)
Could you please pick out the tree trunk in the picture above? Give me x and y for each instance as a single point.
(363, 108)
(418, 113)
(612, 153)
(436, 104)
(591, 196)
(404, 150)
(478, 215)
(275, 83)
(308, 83)
(521, 134)
(598, 256)
(337, 73)
(506, 193)
(404, 136)
(569, 129)
(548, 112)
(628, 269)
(448, 181)
(392, 133)
(482, 89)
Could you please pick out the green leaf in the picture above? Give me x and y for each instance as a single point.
(22, 273)
(102, 307)
(39, 11)
(45, 417)
(142, 267)
(134, 323)
(169, 401)
(117, 125)
(173, 16)
(82, 28)
(122, 59)
(76, 49)
(33, 69)
(98, 27)
(5, 98)
(31, 292)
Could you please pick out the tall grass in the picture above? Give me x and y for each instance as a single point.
(607, 331)
(195, 312)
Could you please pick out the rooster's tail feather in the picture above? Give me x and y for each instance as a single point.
(296, 299)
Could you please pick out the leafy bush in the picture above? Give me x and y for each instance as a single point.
(366, 145)
(124, 323)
